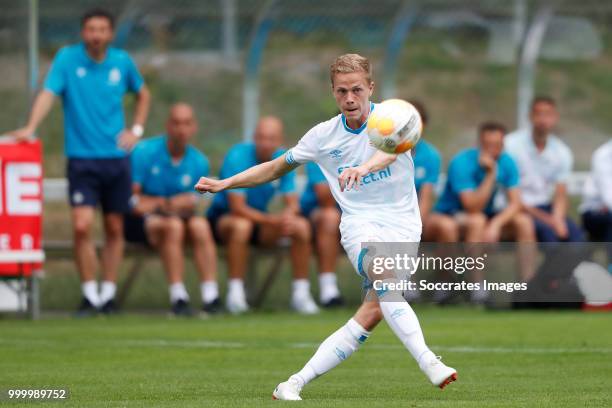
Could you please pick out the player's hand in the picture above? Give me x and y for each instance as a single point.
(23, 134)
(288, 223)
(560, 227)
(127, 140)
(351, 177)
(492, 232)
(487, 162)
(208, 185)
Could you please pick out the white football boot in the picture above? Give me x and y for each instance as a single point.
(438, 373)
(288, 391)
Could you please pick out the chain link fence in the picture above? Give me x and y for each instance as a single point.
(233, 57)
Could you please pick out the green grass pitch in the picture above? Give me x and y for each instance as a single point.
(504, 359)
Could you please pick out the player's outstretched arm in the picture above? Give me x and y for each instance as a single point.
(254, 176)
(351, 177)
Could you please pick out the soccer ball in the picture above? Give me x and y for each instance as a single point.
(394, 126)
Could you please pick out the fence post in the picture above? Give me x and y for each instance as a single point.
(33, 64)
(529, 56)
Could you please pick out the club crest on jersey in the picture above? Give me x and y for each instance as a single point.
(114, 76)
(186, 180)
(336, 154)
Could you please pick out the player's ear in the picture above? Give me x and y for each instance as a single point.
(371, 87)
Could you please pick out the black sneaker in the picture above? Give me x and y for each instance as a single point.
(213, 307)
(86, 309)
(181, 308)
(109, 308)
(333, 302)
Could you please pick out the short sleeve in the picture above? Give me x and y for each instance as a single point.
(314, 174)
(566, 164)
(511, 173)
(203, 167)
(305, 151)
(134, 78)
(138, 160)
(233, 163)
(433, 164)
(460, 178)
(55, 81)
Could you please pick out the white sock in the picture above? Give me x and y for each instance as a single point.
(328, 286)
(401, 319)
(209, 290)
(107, 291)
(235, 288)
(334, 350)
(301, 287)
(90, 292)
(178, 292)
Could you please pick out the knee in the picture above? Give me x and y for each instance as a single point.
(302, 230)
(523, 225)
(82, 228)
(199, 230)
(448, 229)
(329, 219)
(476, 221)
(240, 229)
(174, 229)
(114, 231)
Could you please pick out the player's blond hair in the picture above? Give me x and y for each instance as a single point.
(349, 63)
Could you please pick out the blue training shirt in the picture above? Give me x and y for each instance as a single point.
(314, 176)
(465, 174)
(427, 162)
(153, 169)
(92, 94)
(239, 158)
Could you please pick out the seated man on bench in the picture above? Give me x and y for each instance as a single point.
(240, 217)
(164, 169)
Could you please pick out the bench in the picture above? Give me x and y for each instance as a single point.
(55, 190)
(139, 253)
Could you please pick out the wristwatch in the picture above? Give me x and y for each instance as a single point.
(138, 130)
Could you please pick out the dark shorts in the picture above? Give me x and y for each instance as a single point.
(104, 181)
(214, 223)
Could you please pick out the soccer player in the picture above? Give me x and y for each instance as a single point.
(378, 203)
(596, 205)
(318, 205)
(477, 178)
(545, 163)
(240, 216)
(92, 79)
(164, 169)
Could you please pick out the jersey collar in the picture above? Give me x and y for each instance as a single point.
(88, 57)
(360, 128)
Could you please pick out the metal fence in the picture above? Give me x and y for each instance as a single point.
(236, 59)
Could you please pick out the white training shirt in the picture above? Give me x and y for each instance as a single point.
(540, 171)
(386, 196)
(597, 192)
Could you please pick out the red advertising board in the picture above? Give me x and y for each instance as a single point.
(21, 206)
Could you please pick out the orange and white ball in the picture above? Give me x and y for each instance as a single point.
(394, 126)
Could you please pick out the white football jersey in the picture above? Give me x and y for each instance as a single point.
(387, 196)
